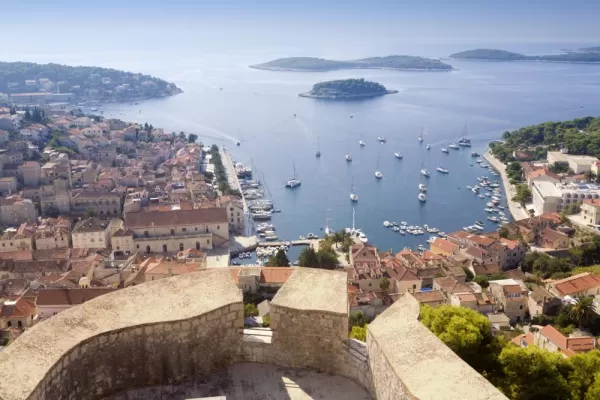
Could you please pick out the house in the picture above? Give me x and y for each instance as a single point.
(265, 280)
(584, 284)
(17, 313)
(479, 255)
(484, 269)
(590, 211)
(402, 279)
(91, 233)
(514, 252)
(14, 210)
(31, 173)
(480, 302)
(20, 239)
(551, 239)
(443, 247)
(542, 302)
(499, 320)
(542, 174)
(164, 269)
(511, 295)
(449, 285)
(524, 340)
(105, 203)
(235, 213)
(432, 298)
(53, 233)
(82, 122)
(52, 301)
(8, 185)
(553, 340)
(364, 256)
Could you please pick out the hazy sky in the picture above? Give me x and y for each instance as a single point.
(39, 27)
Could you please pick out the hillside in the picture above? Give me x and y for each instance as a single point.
(96, 82)
(312, 64)
(347, 89)
(502, 55)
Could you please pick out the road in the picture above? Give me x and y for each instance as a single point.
(517, 212)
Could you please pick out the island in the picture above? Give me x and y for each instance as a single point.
(312, 64)
(26, 82)
(582, 56)
(347, 89)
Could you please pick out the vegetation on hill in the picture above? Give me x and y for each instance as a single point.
(321, 64)
(520, 373)
(502, 55)
(590, 49)
(80, 80)
(347, 89)
(579, 136)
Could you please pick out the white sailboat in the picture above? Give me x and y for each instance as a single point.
(348, 156)
(361, 143)
(398, 155)
(421, 135)
(353, 196)
(378, 173)
(356, 232)
(318, 154)
(422, 187)
(292, 183)
(428, 147)
(422, 197)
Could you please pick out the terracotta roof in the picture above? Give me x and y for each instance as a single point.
(466, 297)
(450, 285)
(528, 337)
(429, 297)
(74, 296)
(515, 274)
(175, 268)
(274, 275)
(402, 274)
(539, 294)
(513, 289)
(445, 245)
(552, 217)
(17, 255)
(511, 244)
(592, 202)
(576, 283)
(486, 269)
(476, 252)
(481, 240)
(575, 344)
(176, 217)
(552, 235)
(90, 225)
(21, 309)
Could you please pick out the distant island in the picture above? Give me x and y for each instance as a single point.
(312, 64)
(347, 89)
(28, 82)
(583, 56)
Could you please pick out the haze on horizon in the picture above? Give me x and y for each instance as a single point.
(102, 33)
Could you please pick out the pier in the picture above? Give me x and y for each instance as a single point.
(234, 183)
(307, 242)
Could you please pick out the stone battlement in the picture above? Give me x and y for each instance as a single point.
(176, 329)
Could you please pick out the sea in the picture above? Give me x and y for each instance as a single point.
(225, 101)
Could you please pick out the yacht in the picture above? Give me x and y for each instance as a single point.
(398, 155)
(381, 139)
(453, 146)
(425, 172)
(442, 170)
(292, 183)
(428, 147)
(378, 173)
(422, 187)
(493, 219)
(361, 143)
(353, 196)
(474, 154)
(422, 197)
(421, 135)
(479, 161)
(464, 140)
(445, 150)
(318, 154)
(348, 157)
(387, 224)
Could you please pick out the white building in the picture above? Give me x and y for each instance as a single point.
(91, 233)
(577, 163)
(553, 197)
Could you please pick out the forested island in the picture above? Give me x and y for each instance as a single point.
(312, 64)
(347, 89)
(583, 56)
(579, 136)
(101, 84)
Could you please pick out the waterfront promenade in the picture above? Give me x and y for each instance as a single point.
(234, 183)
(516, 210)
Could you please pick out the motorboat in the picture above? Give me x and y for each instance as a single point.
(402, 232)
(481, 196)
(378, 174)
(353, 197)
(493, 219)
(453, 146)
(443, 170)
(398, 155)
(348, 157)
(465, 142)
(381, 139)
(479, 161)
(361, 143)
(395, 229)
(318, 154)
(428, 147)
(311, 236)
(422, 188)
(431, 239)
(474, 154)
(302, 237)
(238, 143)
(469, 187)
(479, 223)
(445, 150)
(425, 172)
(490, 210)
(422, 197)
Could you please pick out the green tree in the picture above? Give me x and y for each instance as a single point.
(523, 194)
(469, 275)
(593, 392)
(358, 318)
(90, 213)
(583, 311)
(51, 211)
(327, 259)
(482, 281)
(503, 232)
(182, 135)
(308, 258)
(359, 333)
(384, 284)
(590, 176)
(250, 310)
(192, 138)
(534, 373)
(280, 259)
(584, 373)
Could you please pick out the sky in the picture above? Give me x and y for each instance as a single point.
(324, 27)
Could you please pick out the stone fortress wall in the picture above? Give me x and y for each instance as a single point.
(174, 329)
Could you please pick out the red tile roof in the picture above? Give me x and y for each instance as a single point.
(481, 240)
(74, 296)
(445, 245)
(576, 283)
(528, 337)
(429, 297)
(21, 309)
(575, 344)
(593, 202)
(511, 244)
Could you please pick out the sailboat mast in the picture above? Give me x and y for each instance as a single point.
(353, 212)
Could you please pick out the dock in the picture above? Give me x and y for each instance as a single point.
(306, 242)
(234, 183)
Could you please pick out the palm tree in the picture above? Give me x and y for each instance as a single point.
(583, 311)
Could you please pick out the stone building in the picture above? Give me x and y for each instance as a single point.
(590, 211)
(91, 233)
(31, 173)
(235, 214)
(17, 239)
(512, 296)
(105, 203)
(15, 210)
(53, 233)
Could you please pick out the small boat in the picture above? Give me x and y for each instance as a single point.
(493, 219)
(318, 154)
(428, 147)
(479, 223)
(425, 172)
(271, 238)
(381, 139)
(474, 154)
(292, 183)
(431, 239)
(361, 143)
(422, 188)
(481, 196)
(442, 170)
(453, 146)
(398, 155)
(378, 173)
(311, 236)
(237, 143)
(469, 187)
(348, 157)
(422, 197)
(395, 229)
(445, 150)
(387, 224)
(302, 237)
(402, 232)
(479, 161)
(353, 196)
(488, 210)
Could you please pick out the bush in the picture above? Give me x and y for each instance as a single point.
(250, 310)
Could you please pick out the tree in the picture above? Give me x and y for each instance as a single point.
(384, 284)
(583, 311)
(534, 373)
(250, 310)
(357, 318)
(482, 281)
(308, 258)
(590, 176)
(469, 275)
(51, 211)
(182, 135)
(327, 259)
(279, 260)
(192, 138)
(503, 232)
(91, 213)
(585, 374)
(523, 194)
(359, 333)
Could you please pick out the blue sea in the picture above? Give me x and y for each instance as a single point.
(225, 101)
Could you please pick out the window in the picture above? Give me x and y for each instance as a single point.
(92, 240)
(172, 231)
(9, 310)
(197, 245)
(520, 307)
(183, 229)
(137, 246)
(196, 229)
(207, 241)
(218, 227)
(414, 287)
(145, 233)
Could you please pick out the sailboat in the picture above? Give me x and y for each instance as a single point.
(348, 156)
(378, 173)
(424, 171)
(421, 135)
(318, 154)
(397, 154)
(292, 183)
(356, 232)
(464, 140)
(353, 196)
(422, 189)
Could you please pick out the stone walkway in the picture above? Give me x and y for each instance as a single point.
(516, 210)
(255, 382)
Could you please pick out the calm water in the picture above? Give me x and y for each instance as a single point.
(225, 101)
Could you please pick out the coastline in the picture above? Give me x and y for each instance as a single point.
(530, 61)
(516, 210)
(283, 69)
(311, 95)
